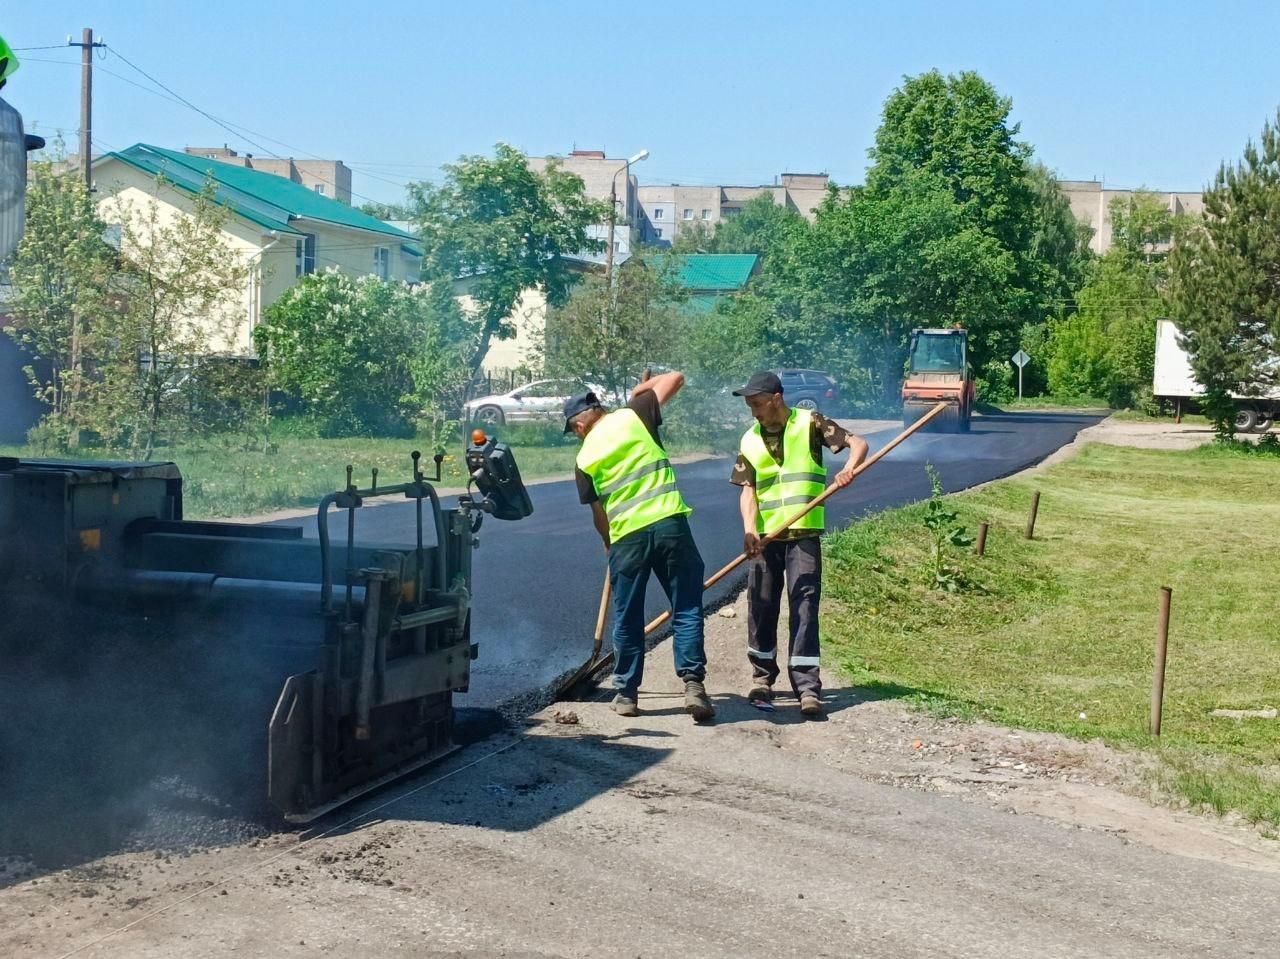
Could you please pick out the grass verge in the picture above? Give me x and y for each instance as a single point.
(1056, 633)
(1050, 402)
(224, 480)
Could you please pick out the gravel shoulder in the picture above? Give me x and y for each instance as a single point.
(877, 832)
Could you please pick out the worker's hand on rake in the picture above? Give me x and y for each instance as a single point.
(846, 475)
(751, 544)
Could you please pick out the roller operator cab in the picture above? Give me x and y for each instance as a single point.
(938, 371)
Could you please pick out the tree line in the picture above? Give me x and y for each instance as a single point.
(957, 223)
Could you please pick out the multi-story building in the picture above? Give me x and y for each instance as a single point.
(331, 178)
(602, 177)
(664, 210)
(1091, 203)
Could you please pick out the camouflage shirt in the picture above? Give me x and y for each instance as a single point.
(825, 433)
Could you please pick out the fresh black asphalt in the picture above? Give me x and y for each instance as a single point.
(537, 582)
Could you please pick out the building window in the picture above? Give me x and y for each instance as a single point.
(706, 214)
(304, 257)
(657, 214)
(658, 233)
(688, 214)
(382, 262)
(320, 188)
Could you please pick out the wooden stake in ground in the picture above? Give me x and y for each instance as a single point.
(982, 539)
(1162, 648)
(1031, 519)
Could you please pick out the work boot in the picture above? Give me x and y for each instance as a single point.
(810, 703)
(696, 702)
(760, 688)
(625, 705)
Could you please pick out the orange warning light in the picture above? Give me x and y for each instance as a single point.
(478, 438)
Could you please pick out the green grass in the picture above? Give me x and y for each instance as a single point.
(1054, 403)
(224, 481)
(1064, 624)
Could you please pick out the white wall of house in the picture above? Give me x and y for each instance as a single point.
(274, 262)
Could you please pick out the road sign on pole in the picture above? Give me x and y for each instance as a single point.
(1020, 359)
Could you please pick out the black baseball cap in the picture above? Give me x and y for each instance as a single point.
(764, 382)
(578, 404)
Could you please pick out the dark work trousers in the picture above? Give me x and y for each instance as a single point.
(667, 550)
(800, 561)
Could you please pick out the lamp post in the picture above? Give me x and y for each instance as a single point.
(613, 212)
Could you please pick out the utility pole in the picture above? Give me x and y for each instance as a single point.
(613, 226)
(86, 45)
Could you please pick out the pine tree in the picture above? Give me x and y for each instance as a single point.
(1226, 280)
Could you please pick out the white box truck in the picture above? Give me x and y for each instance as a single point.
(1175, 382)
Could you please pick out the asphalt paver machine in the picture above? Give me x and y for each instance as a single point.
(344, 654)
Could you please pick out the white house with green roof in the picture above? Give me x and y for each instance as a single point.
(281, 229)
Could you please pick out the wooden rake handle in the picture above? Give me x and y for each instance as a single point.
(812, 505)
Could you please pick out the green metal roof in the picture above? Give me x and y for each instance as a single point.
(713, 272)
(266, 199)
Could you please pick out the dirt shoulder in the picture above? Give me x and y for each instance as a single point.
(878, 832)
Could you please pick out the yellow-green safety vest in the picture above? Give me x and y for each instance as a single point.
(631, 474)
(782, 488)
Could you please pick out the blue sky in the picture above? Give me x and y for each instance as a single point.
(1152, 94)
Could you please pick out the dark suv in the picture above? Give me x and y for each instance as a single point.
(809, 390)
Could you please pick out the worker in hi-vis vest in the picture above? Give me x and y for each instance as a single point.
(624, 474)
(780, 469)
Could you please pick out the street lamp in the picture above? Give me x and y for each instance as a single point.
(613, 211)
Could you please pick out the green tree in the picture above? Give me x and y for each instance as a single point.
(363, 355)
(61, 275)
(760, 227)
(1059, 242)
(1109, 350)
(1224, 270)
(608, 337)
(177, 302)
(875, 265)
(385, 211)
(952, 133)
(507, 228)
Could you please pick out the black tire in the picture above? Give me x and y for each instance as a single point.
(1264, 422)
(489, 416)
(1246, 420)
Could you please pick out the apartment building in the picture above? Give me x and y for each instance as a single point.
(602, 177)
(327, 178)
(664, 210)
(1091, 204)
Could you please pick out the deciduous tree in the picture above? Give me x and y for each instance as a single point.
(508, 229)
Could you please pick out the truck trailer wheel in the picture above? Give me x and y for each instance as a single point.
(1264, 422)
(1246, 420)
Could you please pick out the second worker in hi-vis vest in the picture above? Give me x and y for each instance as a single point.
(780, 469)
(624, 474)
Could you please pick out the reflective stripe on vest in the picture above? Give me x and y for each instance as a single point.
(631, 474)
(782, 487)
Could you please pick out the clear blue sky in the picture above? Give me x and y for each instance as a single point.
(1152, 94)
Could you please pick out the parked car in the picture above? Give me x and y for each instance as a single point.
(541, 401)
(809, 389)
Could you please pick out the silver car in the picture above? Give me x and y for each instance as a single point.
(541, 401)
